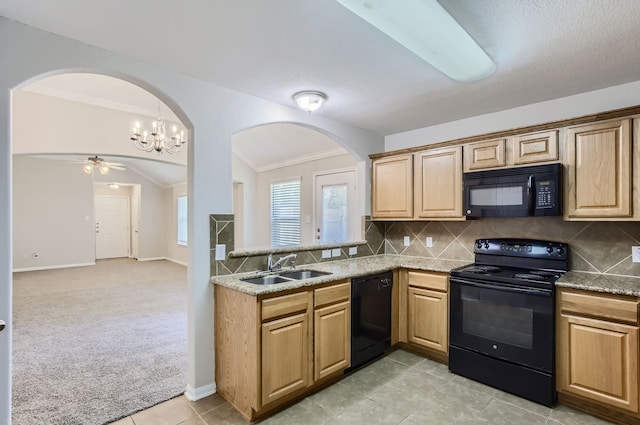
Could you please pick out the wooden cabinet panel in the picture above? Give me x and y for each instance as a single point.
(535, 147)
(598, 170)
(437, 282)
(438, 183)
(427, 317)
(487, 154)
(285, 357)
(332, 294)
(392, 187)
(332, 333)
(603, 306)
(598, 360)
(286, 304)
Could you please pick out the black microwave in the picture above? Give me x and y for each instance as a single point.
(514, 192)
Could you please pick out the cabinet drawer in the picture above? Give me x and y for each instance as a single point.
(605, 306)
(437, 282)
(284, 305)
(332, 294)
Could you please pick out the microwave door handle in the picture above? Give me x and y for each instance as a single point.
(531, 195)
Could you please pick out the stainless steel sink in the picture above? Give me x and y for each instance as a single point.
(266, 280)
(303, 274)
(284, 277)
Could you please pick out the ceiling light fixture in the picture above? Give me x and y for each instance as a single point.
(113, 186)
(103, 167)
(310, 101)
(426, 28)
(158, 140)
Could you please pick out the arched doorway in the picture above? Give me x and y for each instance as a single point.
(50, 126)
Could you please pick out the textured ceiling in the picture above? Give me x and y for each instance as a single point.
(543, 49)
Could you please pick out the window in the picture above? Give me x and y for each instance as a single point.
(182, 220)
(285, 213)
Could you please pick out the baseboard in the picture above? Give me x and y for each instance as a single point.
(152, 259)
(182, 263)
(60, 266)
(194, 394)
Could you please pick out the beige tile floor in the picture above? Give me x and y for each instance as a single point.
(401, 388)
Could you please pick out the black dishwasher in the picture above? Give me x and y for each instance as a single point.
(370, 317)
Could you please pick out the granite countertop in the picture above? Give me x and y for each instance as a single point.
(620, 285)
(340, 270)
(350, 268)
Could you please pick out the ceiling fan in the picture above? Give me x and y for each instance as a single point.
(103, 166)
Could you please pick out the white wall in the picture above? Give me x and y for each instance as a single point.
(243, 173)
(53, 214)
(175, 252)
(261, 217)
(53, 209)
(607, 99)
(211, 112)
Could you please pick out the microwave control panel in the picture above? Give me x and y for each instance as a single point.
(545, 194)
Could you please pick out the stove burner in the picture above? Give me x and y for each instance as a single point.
(529, 276)
(482, 269)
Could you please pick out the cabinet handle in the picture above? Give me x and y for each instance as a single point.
(2, 325)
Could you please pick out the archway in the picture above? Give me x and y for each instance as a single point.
(60, 142)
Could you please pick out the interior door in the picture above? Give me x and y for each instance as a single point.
(335, 212)
(135, 226)
(112, 226)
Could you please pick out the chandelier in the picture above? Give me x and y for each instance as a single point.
(158, 140)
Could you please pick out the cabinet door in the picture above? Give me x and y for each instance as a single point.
(285, 356)
(438, 183)
(427, 319)
(332, 346)
(598, 360)
(488, 154)
(392, 187)
(535, 147)
(598, 170)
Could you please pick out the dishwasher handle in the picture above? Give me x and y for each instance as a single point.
(371, 285)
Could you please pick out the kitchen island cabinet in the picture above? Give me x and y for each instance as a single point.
(597, 352)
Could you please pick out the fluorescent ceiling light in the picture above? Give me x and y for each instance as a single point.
(425, 28)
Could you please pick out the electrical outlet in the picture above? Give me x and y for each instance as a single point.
(221, 251)
(353, 250)
(407, 241)
(429, 242)
(335, 252)
(326, 253)
(635, 254)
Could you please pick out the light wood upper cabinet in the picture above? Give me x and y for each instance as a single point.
(438, 183)
(598, 165)
(597, 348)
(392, 187)
(534, 147)
(485, 154)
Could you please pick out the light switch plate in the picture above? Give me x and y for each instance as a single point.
(353, 250)
(635, 254)
(429, 242)
(221, 251)
(326, 253)
(335, 252)
(407, 241)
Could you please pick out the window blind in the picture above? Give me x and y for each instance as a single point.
(285, 213)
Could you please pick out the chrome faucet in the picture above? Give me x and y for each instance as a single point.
(271, 266)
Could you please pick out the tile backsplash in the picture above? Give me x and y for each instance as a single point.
(595, 246)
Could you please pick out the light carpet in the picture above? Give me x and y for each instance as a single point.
(93, 344)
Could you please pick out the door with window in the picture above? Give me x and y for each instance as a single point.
(112, 226)
(335, 210)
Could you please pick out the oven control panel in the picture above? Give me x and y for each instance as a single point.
(531, 248)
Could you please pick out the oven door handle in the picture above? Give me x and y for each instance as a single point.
(506, 288)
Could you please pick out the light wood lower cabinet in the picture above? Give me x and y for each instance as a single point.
(425, 324)
(271, 349)
(597, 348)
(285, 356)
